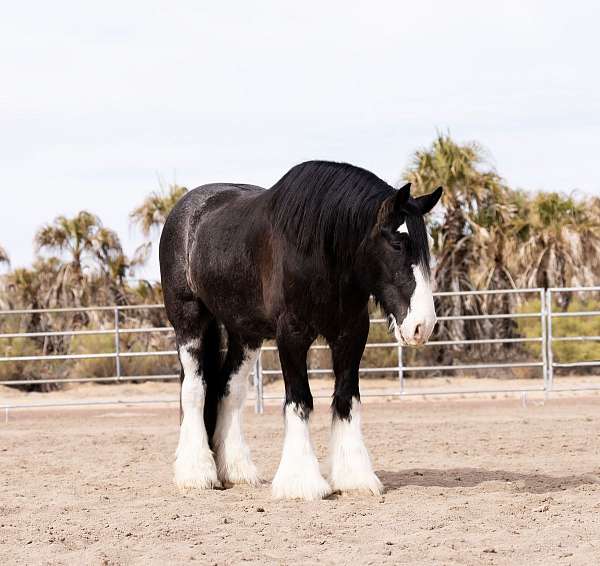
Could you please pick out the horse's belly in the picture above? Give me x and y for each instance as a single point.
(236, 301)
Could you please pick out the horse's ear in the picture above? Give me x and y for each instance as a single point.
(393, 209)
(401, 198)
(425, 203)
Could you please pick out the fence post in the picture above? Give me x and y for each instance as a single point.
(400, 368)
(117, 345)
(258, 385)
(549, 339)
(543, 325)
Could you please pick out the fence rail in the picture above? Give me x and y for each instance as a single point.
(545, 315)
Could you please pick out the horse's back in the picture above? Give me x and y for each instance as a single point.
(193, 202)
(177, 236)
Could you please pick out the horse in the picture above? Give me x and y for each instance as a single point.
(241, 264)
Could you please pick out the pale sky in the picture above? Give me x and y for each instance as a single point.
(99, 100)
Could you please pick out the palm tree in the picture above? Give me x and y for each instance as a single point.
(73, 236)
(558, 241)
(73, 239)
(473, 207)
(153, 212)
(86, 243)
(114, 264)
(470, 230)
(36, 288)
(20, 289)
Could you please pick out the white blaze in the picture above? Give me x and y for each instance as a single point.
(421, 310)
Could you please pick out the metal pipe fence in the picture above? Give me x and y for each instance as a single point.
(546, 339)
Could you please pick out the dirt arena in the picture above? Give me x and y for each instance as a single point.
(467, 482)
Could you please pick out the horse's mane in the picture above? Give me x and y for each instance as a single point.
(328, 208)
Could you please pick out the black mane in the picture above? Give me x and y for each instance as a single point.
(328, 208)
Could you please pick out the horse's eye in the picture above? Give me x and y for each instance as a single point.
(399, 241)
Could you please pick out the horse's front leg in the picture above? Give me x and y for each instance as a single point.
(351, 467)
(298, 475)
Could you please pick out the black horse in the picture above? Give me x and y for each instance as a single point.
(294, 262)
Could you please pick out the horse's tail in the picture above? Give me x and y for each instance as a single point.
(211, 369)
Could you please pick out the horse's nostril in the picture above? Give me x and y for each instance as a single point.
(418, 330)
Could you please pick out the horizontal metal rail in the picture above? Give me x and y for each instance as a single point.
(419, 368)
(58, 357)
(472, 317)
(430, 343)
(147, 330)
(575, 338)
(482, 341)
(144, 354)
(577, 364)
(35, 381)
(91, 402)
(488, 292)
(80, 309)
(591, 289)
(574, 313)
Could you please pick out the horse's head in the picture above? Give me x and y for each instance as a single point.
(397, 256)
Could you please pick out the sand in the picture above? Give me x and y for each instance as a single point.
(467, 482)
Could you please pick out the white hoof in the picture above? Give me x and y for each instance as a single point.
(299, 485)
(196, 473)
(238, 469)
(349, 480)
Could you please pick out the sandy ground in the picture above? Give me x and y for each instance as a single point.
(467, 482)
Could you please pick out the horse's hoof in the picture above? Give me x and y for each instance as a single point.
(238, 472)
(300, 487)
(352, 482)
(201, 474)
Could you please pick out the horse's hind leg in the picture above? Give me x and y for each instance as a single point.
(194, 463)
(234, 464)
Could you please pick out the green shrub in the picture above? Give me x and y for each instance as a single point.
(130, 366)
(568, 351)
(94, 367)
(14, 347)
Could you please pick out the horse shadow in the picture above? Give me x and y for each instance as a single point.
(472, 477)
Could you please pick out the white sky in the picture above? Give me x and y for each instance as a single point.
(99, 99)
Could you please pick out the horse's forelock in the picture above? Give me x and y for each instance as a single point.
(419, 242)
